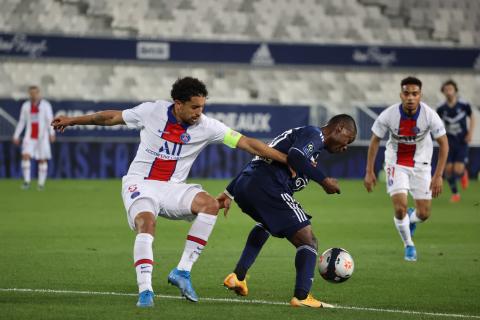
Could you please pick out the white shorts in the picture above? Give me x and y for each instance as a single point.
(37, 149)
(170, 200)
(401, 179)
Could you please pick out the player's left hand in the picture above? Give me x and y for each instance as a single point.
(436, 186)
(224, 202)
(52, 139)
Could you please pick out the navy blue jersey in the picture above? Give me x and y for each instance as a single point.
(306, 141)
(455, 119)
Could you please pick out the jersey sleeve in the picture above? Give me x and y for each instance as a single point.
(437, 128)
(308, 142)
(221, 133)
(135, 117)
(380, 126)
(468, 109)
(49, 116)
(22, 121)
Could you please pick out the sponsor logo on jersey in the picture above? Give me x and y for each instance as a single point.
(185, 137)
(135, 194)
(132, 188)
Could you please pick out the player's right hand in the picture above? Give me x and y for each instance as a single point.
(60, 123)
(16, 141)
(330, 185)
(224, 202)
(369, 181)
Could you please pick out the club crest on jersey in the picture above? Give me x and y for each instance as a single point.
(308, 149)
(185, 137)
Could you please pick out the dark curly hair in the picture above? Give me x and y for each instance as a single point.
(411, 80)
(185, 88)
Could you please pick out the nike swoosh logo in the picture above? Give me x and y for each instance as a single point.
(161, 131)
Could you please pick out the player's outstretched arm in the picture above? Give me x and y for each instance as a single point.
(101, 118)
(300, 163)
(257, 147)
(437, 180)
(370, 179)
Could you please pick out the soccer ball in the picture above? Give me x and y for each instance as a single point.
(336, 265)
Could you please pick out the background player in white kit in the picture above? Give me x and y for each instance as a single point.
(408, 154)
(35, 117)
(171, 137)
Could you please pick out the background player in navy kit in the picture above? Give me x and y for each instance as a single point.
(454, 113)
(264, 190)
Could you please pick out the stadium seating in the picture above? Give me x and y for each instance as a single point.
(427, 22)
(408, 22)
(340, 89)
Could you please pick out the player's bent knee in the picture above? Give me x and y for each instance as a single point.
(205, 203)
(145, 222)
(400, 211)
(423, 213)
(212, 207)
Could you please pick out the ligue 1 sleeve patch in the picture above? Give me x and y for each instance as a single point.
(308, 149)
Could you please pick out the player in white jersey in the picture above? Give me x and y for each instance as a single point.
(408, 156)
(171, 137)
(35, 117)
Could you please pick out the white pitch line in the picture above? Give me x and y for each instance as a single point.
(105, 293)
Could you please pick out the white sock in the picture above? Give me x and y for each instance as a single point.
(143, 257)
(414, 218)
(403, 227)
(42, 173)
(196, 240)
(26, 170)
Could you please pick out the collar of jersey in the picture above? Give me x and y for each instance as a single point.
(172, 119)
(406, 116)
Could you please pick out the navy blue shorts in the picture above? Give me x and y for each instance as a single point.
(457, 151)
(268, 203)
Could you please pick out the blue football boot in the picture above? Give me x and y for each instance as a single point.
(413, 226)
(145, 299)
(181, 280)
(410, 253)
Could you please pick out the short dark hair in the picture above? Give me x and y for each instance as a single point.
(185, 88)
(411, 80)
(345, 120)
(449, 83)
(33, 87)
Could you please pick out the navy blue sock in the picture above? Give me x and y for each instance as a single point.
(256, 239)
(452, 182)
(305, 262)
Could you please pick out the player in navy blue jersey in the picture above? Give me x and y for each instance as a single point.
(454, 113)
(264, 190)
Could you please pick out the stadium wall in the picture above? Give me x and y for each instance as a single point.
(101, 160)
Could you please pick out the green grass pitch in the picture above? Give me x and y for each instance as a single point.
(73, 238)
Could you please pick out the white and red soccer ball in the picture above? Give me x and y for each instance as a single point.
(336, 265)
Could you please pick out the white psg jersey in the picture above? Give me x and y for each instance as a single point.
(168, 149)
(410, 143)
